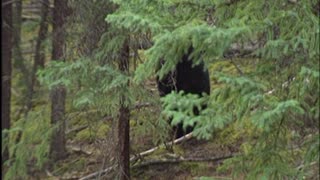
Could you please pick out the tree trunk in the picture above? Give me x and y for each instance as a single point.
(124, 143)
(39, 57)
(123, 124)
(57, 148)
(58, 93)
(6, 54)
(43, 31)
(18, 59)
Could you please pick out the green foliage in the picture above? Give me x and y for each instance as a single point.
(28, 142)
(278, 94)
(147, 124)
(87, 25)
(272, 100)
(180, 107)
(203, 38)
(92, 85)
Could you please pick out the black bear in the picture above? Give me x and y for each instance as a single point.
(189, 78)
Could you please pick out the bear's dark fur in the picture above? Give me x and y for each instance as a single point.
(189, 78)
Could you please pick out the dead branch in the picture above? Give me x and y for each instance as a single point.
(80, 150)
(134, 158)
(141, 105)
(237, 67)
(101, 173)
(238, 50)
(300, 167)
(179, 160)
(49, 174)
(179, 140)
(76, 129)
(283, 85)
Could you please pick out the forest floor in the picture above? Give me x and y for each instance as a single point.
(193, 149)
(86, 158)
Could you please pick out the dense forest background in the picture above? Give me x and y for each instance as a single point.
(80, 101)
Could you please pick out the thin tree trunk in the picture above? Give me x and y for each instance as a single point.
(6, 55)
(124, 143)
(57, 148)
(43, 31)
(58, 93)
(123, 124)
(19, 61)
(39, 58)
